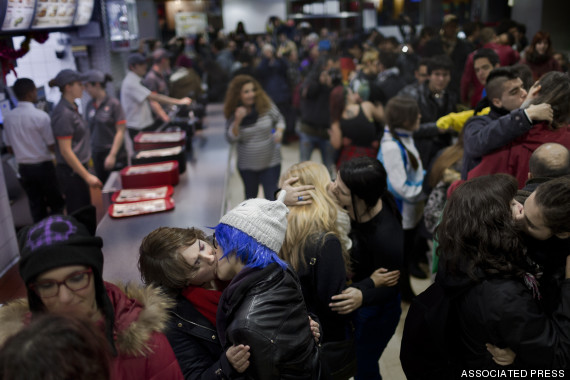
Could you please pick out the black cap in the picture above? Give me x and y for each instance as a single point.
(67, 76)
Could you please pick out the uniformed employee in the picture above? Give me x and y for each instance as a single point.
(73, 149)
(107, 124)
(135, 97)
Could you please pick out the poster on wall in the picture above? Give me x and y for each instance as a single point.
(54, 14)
(84, 11)
(190, 23)
(19, 14)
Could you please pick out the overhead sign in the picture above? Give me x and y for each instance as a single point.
(190, 23)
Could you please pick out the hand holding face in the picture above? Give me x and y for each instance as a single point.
(297, 196)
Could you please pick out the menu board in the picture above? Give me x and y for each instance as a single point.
(54, 14)
(84, 11)
(19, 14)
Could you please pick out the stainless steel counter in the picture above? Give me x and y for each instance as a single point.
(199, 199)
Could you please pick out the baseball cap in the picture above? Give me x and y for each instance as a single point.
(94, 76)
(160, 54)
(136, 59)
(67, 76)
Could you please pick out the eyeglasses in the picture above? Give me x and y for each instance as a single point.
(75, 281)
(214, 241)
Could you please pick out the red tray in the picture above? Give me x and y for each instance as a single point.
(148, 175)
(159, 140)
(123, 210)
(142, 194)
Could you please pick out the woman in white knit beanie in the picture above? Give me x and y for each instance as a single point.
(263, 305)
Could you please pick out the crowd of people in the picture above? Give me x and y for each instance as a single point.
(444, 151)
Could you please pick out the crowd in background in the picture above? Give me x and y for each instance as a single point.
(412, 132)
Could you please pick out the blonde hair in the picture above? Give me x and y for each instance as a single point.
(312, 222)
(233, 96)
(370, 56)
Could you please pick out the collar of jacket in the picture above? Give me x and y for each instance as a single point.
(497, 112)
(196, 324)
(243, 282)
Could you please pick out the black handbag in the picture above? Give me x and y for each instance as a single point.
(339, 359)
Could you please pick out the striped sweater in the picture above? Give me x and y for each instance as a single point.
(256, 149)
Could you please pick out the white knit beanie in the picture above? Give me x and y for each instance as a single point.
(263, 220)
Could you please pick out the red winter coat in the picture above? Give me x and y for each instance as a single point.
(144, 351)
(140, 316)
(513, 158)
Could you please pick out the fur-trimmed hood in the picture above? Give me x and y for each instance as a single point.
(139, 312)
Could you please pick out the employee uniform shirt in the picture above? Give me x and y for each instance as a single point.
(134, 100)
(28, 131)
(67, 123)
(102, 120)
(156, 82)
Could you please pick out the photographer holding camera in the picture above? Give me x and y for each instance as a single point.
(315, 114)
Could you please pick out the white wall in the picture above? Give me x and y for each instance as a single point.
(8, 245)
(41, 65)
(253, 13)
(148, 19)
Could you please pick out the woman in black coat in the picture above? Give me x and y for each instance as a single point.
(483, 261)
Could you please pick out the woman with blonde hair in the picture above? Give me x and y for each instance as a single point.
(313, 247)
(255, 124)
(316, 245)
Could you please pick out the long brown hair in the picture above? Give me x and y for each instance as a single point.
(337, 102)
(447, 159)
(531, 53)
(477, 230)
(555, 90)
(402, 112)
(233, 98)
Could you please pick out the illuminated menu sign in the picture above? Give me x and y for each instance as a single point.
(84, 11)
(19, 14)
(54, 13)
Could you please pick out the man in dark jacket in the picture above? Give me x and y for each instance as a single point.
(435, 100)
(263, 306)
(505, 122)
(315, 112)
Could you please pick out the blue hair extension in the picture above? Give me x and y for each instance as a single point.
(246, 248)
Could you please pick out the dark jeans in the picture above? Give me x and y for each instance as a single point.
(76, 190)
(99, 163)
(374, 327)
(40, 183)
(288, 112)
(268, 178)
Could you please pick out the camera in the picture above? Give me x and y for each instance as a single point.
(336, 76)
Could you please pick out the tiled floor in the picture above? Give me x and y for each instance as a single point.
(390, 367)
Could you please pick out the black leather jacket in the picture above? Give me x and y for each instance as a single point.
(196, 344)
(264, 309)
